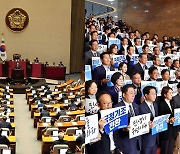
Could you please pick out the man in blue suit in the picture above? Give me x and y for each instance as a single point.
(141, 65)
(149, 141)
(99, 73)
(133, 145)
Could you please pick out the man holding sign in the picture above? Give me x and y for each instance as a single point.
(133, 145)
(149, 142)
(108, 143)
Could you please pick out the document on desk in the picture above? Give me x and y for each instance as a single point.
(55, 138)
(74, 123)
(59, 124)
(45, 124)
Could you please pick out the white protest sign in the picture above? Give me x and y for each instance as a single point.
(114, 41)
(91, 106)
(116, 118)
(139, 125)
(91, 128)
(135, 58)
(174, 88)
(102, 48)
(160, 85)
(117, 59)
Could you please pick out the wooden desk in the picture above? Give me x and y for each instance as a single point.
(64, 84)
(61, 125)
(49, 108)
(47, 143)
(53, 114)
(12, 140)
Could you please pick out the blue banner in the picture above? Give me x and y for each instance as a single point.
(118, 59)
(88, 75)
(177, 117)
(160, 124)
(114, 41)
(116, 118)
(96, 62)
(108, 76)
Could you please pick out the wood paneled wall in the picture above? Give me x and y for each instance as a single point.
(155, 16)
(77, 36)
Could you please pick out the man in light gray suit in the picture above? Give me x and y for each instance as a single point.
(92, 52)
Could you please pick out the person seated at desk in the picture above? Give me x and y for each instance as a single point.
(3, 139)
(59, 141)
(72, 106)
(17, 67)
(61, 112)
(48, 92)
(40, 104)
(44, 112)
(4, 124)
(51, 126)
(37, 97)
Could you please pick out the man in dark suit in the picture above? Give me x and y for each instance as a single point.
(4, 124)
(177, 97)
(3, 139)
(92, 52)
(133, 145)
(141, 65)
(99, 73)
(136, 81)
(149, 141)
(107, 143)
(137, 42)
(44, 112)
(59, 141)
(124, 45)
(153, 73)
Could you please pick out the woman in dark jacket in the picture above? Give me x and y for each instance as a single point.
(166, 106)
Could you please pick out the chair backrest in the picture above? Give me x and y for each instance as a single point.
(16, 56)
(59, 148)
(3, 146)
(71, 130)
(46, 119)
(80, 117)
(64, 119)
(52, 131)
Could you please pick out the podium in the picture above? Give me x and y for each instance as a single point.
(12, 64)
(17, 74)
(55, 72)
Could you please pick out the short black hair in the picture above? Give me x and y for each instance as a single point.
(166, 59)
(4, 118)
(98, 96)
(175, 61)
(144, 46)
(165, 91)
(87, 85)
(129, 47)
(141, 54)
(164, 71)
(102, 54)
(91, 42)
(93, 32)
(126, 87)
(121, 64)
(136, 39)
(151, 69)
(115, 77)
(146, 90)
(134, 73)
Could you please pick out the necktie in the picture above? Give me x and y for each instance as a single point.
(95, 55)
(131, 111)
(152, 110)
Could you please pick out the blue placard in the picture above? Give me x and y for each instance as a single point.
(108, 76)
(177, 117)
(116, 118)
(96, 62)
(114, 41)
(147, 83)
(160, 124)
(135, 58)
(88, 75)
(118, 59)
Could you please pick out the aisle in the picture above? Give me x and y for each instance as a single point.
(25, 133)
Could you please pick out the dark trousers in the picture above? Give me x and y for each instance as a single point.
(151, 150)
(167, 146)
(138, 152)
